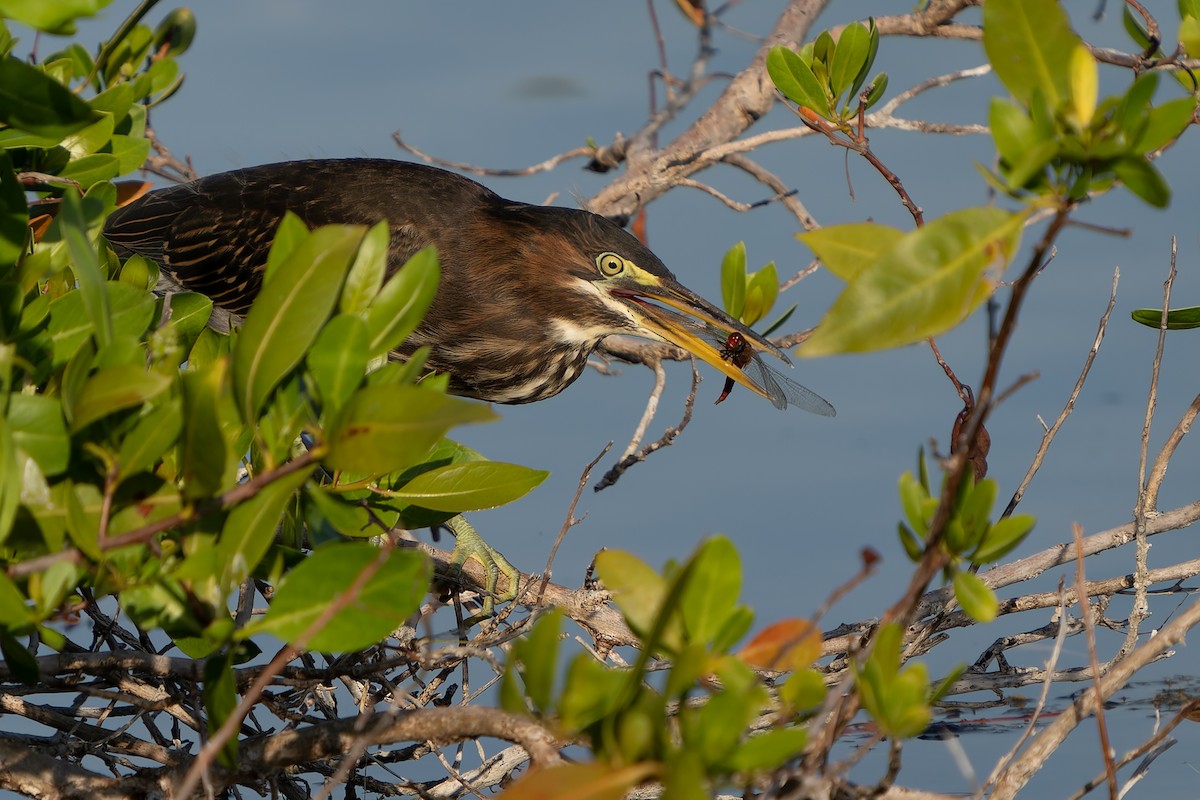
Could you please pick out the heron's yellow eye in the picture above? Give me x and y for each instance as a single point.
(610, 264)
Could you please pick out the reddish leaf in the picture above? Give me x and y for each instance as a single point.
(785, 645)
(580, 782)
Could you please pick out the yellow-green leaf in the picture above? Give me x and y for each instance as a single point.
(470, 486)
(385, 428)
(1030, 45)
(846, 250)
(975, 596)
(113, 389)
(930, 281)
(288, 314)
(1085, 85)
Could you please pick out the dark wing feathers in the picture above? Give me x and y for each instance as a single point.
(213, 235)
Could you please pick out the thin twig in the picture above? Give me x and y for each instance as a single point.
(1089, 628)
(668, 437)
(570, 521)
(142, 535)
(542, 166)
(1183, 714)
(1051, 432)
(1051, 664)
(285, 655)
(1158, 471)
(1145, 498)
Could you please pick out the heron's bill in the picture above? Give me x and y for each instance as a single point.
(685, 332)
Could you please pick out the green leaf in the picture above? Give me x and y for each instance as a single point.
(1177, 318)
(292, 231)
(470, 486)
(975, 510)
(113, 389)
(367, 272)
(1143, 179)
(847, 250)
(381, 604)
(1030, 44)
(637, 589)
(769, 751)
(712, 589)
(875, 90)
(190, 312)
(338, 359)
(287, 316)
(873, 93)
(130, 310)
(915, 501)
(14, 215)
(346, 517)
(32, 101)
(139, 272)
(150, 439)
(129, 151)
(908, 712)
(82, 502)
(37, 427)
(86, 267)
(736, 625)
(91, 169)
(804, 689)
(975, 597)
(1012, 130)
(733, 280)
(250, 527)
(1003, 537)
(176, 31)
(591, 693)
(1134, 27)
(762, 288)
(718, 725)
(401, 304)
(383, 429)
(1084, 82)
(10, 488)
(914, 548)
(1164, 124)
(59, 579)
(90, 139)
(850, 58)
(221, 700)
(796, 80)
(1189, 33)
(1131, 107)
(1031, 164)
(57, 17)
(930, 281)
(898, 702)
(537, 657)
(20, 662)
(206, 459)
(14, 609)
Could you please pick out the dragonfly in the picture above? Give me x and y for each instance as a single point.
(781, 390)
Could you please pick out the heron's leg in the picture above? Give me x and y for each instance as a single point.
(469, 544)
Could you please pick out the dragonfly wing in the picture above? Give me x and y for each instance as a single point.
(782, 391)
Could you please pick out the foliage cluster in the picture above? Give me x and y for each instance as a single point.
(146, 457)
(123, 417)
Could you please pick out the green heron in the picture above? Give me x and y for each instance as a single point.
(527, 292)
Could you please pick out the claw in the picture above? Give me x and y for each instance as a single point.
(469, 544)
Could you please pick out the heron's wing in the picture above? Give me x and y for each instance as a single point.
(213, 235)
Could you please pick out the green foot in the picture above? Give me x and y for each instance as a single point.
(469, 544)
